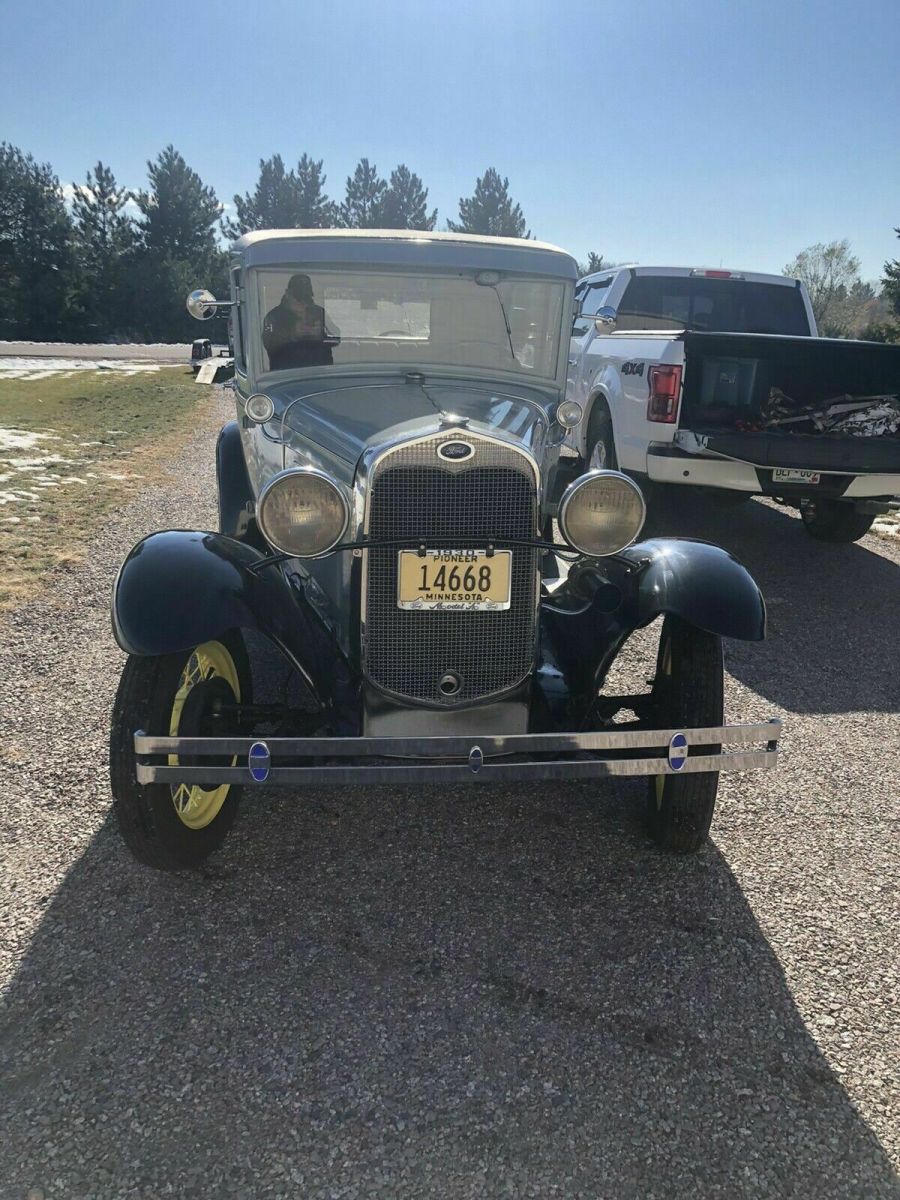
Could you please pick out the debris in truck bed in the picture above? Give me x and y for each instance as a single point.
(857, 416)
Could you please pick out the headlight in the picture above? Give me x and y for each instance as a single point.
(601, 512)
(569, 414)
(260, 408)
(302, 513)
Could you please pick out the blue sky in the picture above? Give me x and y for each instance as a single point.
(733, 131)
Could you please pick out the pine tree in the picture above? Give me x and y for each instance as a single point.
(362, 206)
(104, 238)
(594, 263)
(316, 210)
(405, 203)
(177, 248)
(490, 210)
(284, 199)
(892, 281)
(271, 205)
(36, 255)
(179, 211)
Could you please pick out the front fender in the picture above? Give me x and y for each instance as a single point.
(603, 601)
(181, 588)
(696, 581)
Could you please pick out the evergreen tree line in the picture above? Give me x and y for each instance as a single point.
(116, 264)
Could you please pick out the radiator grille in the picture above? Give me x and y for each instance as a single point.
(490, 496)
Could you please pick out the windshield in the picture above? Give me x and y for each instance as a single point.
(319, 318)
(722, 305)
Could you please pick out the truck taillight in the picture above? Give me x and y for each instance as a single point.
(665, 388)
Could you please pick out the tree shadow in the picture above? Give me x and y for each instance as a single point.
(419, 994)
(832, 608)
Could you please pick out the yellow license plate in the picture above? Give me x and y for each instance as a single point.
(454, 579)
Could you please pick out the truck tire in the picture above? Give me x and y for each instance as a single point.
(834, 520)
(688, 693)
(601, 446)
(174, 827)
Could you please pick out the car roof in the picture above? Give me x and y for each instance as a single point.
(402, 247)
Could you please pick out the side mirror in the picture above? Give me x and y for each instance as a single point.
(605, 318)
(202, 304)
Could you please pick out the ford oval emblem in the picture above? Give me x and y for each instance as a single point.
(476, 759)
(456, 451)
(259, 760)
(678, 751)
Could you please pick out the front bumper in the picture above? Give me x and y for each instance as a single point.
(493, 759)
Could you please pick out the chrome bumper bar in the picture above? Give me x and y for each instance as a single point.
(454, 759)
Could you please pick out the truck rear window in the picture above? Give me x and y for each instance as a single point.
(720, 305)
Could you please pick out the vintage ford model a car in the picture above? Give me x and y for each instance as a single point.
(386, 497)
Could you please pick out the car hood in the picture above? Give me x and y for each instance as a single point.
(348, 417)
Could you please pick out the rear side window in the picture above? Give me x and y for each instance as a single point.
(719, 305)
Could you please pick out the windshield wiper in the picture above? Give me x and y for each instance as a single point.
(493, 288)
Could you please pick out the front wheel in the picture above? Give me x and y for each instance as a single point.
(174, 826)
(601, 446)
(688, 693)
(834, 520)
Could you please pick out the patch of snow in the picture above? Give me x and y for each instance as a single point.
(20, 367)
(20, 439)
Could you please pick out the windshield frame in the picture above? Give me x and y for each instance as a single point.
(263, 375)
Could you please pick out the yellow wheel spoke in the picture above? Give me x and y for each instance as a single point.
(197, 807)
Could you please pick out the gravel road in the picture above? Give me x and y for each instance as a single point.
(463, 994)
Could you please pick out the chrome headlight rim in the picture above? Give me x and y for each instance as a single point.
(259, 408)
(291, 473)
(565, 415)
(575, 487)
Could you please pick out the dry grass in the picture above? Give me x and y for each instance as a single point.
(71, 449)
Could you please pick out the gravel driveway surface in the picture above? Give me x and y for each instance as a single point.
(463, 993)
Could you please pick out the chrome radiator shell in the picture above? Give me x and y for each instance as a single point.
(413, 493)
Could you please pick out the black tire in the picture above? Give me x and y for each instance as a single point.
(147, 815)
(688, 693)
(834, 520)
(601, 446)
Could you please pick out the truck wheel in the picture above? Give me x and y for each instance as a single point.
(601, 446)
(834, 520)
(174, 826)
(688, 693)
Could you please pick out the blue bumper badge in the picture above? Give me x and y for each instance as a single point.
(678, 751)
(259, 760)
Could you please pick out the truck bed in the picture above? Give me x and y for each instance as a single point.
(741, 392)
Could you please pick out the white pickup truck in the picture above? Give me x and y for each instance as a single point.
(717, 379)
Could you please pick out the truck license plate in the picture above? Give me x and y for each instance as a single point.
(789, 475)
(454, 579)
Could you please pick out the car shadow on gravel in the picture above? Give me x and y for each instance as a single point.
(384, 993)
(833, 609)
